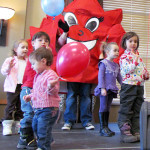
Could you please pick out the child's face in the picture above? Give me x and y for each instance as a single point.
(40, 42)
(132, 43)
(38, 66)
(113, 52)
(22, 50)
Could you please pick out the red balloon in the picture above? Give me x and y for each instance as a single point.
(72, 59)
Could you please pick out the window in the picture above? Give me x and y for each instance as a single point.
(136, 17)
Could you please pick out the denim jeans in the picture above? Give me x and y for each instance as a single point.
(26, 108)
(42, 124)
(83, 90)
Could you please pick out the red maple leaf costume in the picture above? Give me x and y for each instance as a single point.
(89, 24)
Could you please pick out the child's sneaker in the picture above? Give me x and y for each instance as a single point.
(89, 126)
(67, 126)
(38, 149)
(126, 136)
(7, 127)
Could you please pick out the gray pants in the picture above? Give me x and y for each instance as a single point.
(131, 99)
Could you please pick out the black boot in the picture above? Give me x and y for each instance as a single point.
(103, 128)
(27, 139)
(106, 116)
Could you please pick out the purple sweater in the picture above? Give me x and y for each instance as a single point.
(108, 73)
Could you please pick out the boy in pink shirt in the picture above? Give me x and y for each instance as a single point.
(45, 99)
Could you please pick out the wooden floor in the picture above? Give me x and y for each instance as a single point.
(77, 139)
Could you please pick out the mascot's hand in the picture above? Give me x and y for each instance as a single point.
(63, 25)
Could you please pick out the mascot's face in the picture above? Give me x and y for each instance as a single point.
(90, 25)
(82, 28)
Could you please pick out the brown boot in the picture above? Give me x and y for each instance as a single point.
(126, 135)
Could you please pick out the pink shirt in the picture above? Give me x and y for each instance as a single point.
(41, 96)
(11, 74)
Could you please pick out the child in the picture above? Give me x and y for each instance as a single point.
(40, 39)
(44, 95)
(134, 74)
(107, 90)
(13, 68)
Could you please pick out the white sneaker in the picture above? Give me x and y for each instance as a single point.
(38, 149)
(17, 127)
(67, 126)
(7, 127)
(89, 126)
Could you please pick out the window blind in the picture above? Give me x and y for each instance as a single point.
(136, 17)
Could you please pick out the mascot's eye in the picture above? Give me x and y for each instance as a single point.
(92, 24)
(71, 19)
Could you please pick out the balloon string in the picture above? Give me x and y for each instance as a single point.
(62, 78)
(148, 39)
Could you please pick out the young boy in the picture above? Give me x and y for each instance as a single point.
(40, 39)
(45, 98)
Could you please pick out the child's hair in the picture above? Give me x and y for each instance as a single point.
(107, 46)
(16, 45)
(127, 36)
(39, 34)
(41, 53)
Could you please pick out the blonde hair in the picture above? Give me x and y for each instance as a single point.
(107, 46)
(16, 45)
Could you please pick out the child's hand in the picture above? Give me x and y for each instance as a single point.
(52, 83)
(103, 92)
(49, 48)
(145, 75)
(27, 98)
(136, 54)
(11, 64)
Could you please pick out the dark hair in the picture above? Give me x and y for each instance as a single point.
(41, 53)
(127, 36)
(39, 34)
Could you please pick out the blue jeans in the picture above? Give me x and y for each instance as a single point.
(26, 108)
(42, 124)
(83, 90)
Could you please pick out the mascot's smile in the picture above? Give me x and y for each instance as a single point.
(88, 44)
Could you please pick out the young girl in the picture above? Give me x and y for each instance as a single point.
(13, 68)
(134, 74)
(45, 99)
(107, 90)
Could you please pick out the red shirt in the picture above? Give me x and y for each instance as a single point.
(28, 76)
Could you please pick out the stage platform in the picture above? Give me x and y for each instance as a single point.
(77, 139)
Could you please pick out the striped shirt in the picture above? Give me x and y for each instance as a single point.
(41, 96)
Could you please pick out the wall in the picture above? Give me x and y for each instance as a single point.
(15, 31)
(34, 15)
